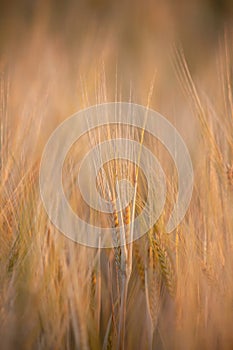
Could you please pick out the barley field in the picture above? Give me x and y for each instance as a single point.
(168, 291)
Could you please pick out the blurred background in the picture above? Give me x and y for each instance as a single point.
(196, 23)
(67, 51)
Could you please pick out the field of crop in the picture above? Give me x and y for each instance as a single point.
(168, 291)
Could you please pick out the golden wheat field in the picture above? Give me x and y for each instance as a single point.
(168, 291)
